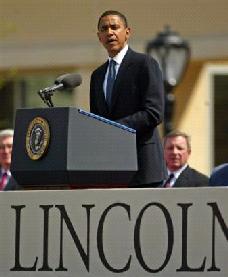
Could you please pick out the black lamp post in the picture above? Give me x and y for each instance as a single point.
(173, 54)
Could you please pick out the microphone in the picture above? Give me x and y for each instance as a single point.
(66, 81)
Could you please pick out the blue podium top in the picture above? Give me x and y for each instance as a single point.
(108, 121)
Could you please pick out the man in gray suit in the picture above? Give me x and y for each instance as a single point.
(7, 181)
(128, 89)
(177, 149)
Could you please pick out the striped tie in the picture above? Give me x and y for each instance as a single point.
(3, 181)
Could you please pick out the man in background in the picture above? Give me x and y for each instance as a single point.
(219, 175)
(7, 182)
(177, 149)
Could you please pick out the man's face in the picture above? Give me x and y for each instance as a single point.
(113, 34)
(176, 152)
(6, 144)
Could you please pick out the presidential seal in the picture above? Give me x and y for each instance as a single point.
(37, 138)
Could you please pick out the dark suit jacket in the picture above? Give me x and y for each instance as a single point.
(219, 176)
(191, 178)
(137, 102)
(11, 184)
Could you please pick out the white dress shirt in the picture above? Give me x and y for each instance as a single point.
(176, 174)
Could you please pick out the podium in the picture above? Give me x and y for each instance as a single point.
(68, 146)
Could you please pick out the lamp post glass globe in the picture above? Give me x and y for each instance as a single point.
(172, 54)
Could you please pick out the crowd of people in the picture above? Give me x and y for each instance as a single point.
(177, 150)
(128, 89)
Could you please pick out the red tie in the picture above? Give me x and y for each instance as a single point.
(3, 181)
(168, 181)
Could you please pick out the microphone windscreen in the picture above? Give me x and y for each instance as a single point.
(69, 80)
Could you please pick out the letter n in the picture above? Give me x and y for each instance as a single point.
(216, 214)
(84, 255)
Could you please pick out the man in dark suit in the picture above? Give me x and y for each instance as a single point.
(177, 149)
(219, 176)
(128, 89)
(7, 181)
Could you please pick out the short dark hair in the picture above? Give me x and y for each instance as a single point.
(112, 12)
(177, 133)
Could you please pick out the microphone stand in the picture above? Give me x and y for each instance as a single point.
(66, 81)
(45, 95)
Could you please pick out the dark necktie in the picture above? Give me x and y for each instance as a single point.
(168, 181)
(110, 81)
(3, 181)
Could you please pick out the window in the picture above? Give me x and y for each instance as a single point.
(22, 92)
(220, 118)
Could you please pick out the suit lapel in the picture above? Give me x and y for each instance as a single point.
(100, 92)
(182, 180)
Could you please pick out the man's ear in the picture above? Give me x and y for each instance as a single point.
(128, 31)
